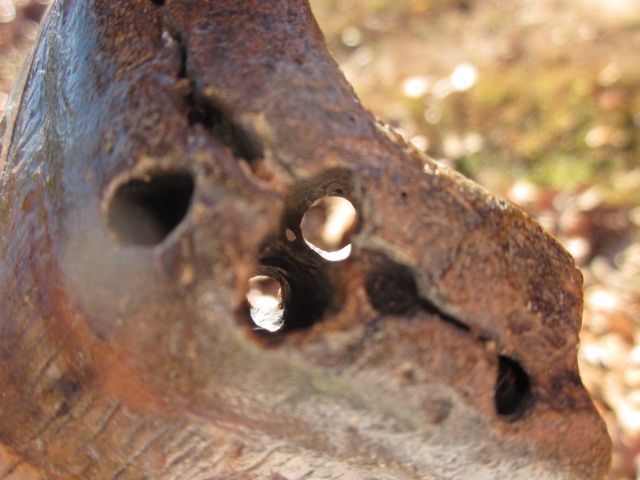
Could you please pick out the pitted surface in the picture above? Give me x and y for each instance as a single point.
(443, 347)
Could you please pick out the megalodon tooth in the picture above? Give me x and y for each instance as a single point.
(158, 155)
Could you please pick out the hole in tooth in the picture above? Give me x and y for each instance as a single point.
(512, 387)
(144, 211)
(327, 227)
(265, 303)
(290, 234)
(391, 288)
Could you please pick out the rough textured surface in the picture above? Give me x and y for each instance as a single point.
(129, 354)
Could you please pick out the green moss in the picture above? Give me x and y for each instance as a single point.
(471, 165)
(562, 171)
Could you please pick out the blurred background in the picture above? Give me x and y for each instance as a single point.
(538, 100)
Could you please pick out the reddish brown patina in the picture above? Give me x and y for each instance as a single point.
(157, 155)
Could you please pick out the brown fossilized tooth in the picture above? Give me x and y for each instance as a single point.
(160, 154)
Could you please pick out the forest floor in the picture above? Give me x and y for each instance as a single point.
(538, 100)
